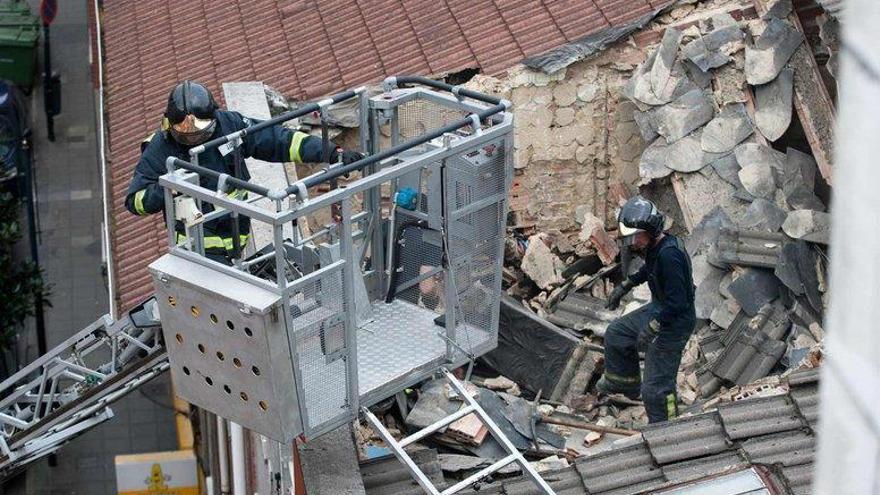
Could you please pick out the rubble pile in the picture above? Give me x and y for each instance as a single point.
(727, 161)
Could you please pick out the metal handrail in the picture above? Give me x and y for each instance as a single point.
(299, 112)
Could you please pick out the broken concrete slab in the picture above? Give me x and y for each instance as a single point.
(773, 105)
(330, 463)
(809, 225)
(754, 288)
(763, 215)
(687, 155)
(540, 264)
(730, 127)
(661, 70)
(771, 51)
(653, 162)
(684, 115)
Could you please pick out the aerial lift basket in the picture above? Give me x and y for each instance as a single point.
(294, 337)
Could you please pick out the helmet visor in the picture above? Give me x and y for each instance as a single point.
(627, 231)
(192, 131)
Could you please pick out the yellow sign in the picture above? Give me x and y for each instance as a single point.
(158, 473)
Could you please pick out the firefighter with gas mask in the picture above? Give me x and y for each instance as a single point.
(661, 328)
(193, 117)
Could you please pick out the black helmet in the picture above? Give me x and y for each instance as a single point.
(190, 114)
(639, 214)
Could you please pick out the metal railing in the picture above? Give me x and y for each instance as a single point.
(486, 123)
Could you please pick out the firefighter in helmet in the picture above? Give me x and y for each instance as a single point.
(193, 117)
(661, 328)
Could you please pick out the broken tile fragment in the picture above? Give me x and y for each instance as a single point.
(773, 105)
(809, 225)
(683, 115)
(724, 313)
(728, 169)
(802, 165)
(763, 215)
(706, 232)
(699, 54)
(758, 166)
(730, 127)
(754, 288)
(687, 155)
(771, 51)
(707, 297)
(751, 152)
(661, 70)
(778, 9)
(798, 181)
(653, 162)
(758, 180)
(647, 124)
(702, 79)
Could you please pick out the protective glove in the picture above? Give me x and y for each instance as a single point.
(618, 293)
(649, 336)
(347, 156)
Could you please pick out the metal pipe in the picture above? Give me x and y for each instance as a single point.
(239, 469)
(223, 454)
(337, 172)
(238, 183)
(299, 112)
(456, 90)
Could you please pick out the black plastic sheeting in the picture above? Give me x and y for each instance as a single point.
(565, 55)
(531, 351)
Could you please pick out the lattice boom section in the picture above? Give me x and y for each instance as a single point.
(477, 184)
(318, 330)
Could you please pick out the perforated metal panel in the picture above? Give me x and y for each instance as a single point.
(228, 346)
(318, 329)
(476, 188)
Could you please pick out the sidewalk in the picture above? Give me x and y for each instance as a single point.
(70, 210)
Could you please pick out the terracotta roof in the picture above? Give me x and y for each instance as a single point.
(305, 51)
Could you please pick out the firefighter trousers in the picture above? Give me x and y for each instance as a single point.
(662, 359)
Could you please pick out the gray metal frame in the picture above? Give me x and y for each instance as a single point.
(289, 208)
(69, 390)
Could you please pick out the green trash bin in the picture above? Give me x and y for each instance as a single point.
(19, 34)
